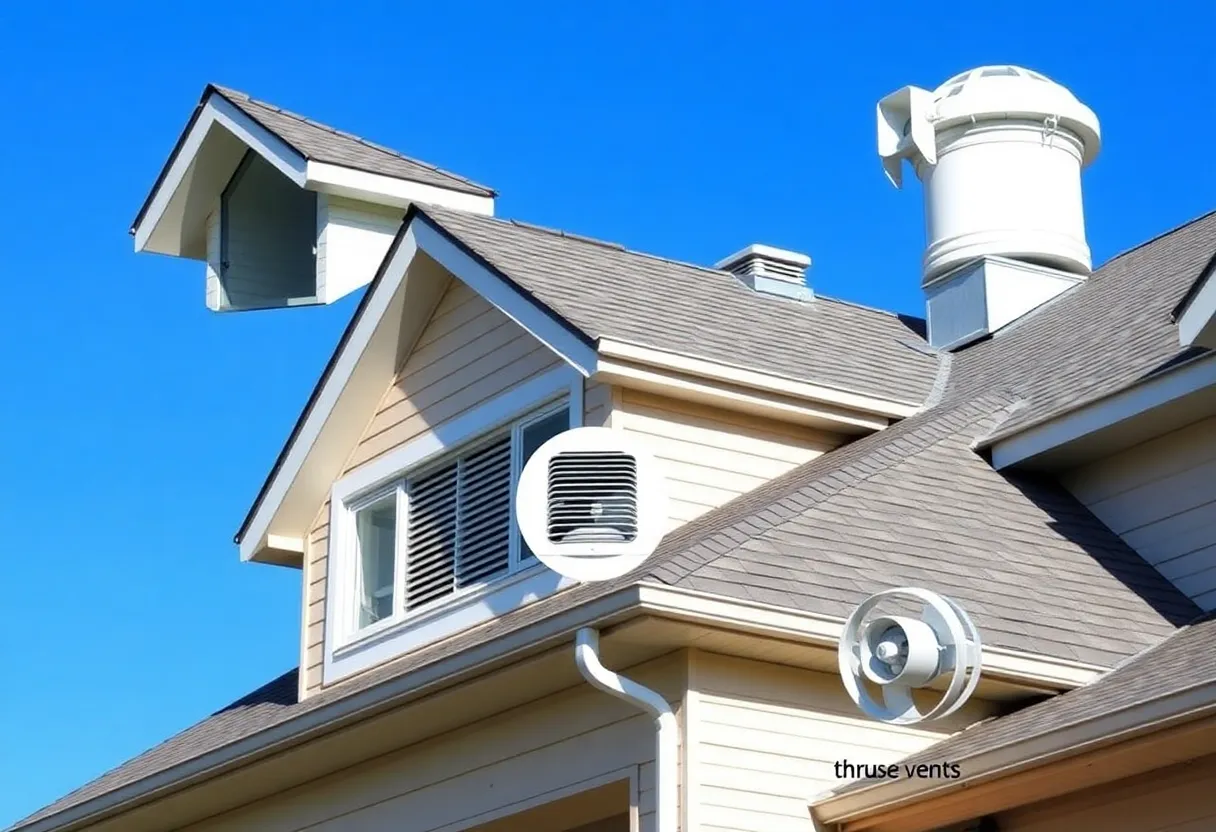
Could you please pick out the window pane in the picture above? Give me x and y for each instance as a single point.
(535, 435)
(376, 528)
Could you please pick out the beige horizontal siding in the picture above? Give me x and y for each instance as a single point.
(468, 353)
(711, 455)
(1160, 497)
(316, 563)
(764, 739)
(1174, 799)
(481, 772)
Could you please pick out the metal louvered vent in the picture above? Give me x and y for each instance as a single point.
(591, 503)
(592, 497)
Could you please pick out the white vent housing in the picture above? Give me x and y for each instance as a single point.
(591, 503)
(999, 151)
(770, 270)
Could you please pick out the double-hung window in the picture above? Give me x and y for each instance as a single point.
(444, 528)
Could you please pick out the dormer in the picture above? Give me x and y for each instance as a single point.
(282, 210)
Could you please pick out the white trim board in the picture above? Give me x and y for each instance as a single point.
(328, 178)
(217, 110)
(1187, 378)
(1197, 323)
(507, 298)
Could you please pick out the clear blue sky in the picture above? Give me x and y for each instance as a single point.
(137, 426)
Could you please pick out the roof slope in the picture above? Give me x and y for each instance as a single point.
(819, 538)
(1184, 660)
(322, 143)
(1108, 333)
(608, 291)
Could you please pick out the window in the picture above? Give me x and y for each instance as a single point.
(447, 526)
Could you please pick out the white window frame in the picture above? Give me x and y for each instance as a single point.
(349, 649)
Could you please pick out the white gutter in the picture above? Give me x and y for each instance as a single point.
(667, 730)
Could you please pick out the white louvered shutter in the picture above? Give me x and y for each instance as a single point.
(459, 524)
(431, 540)
(484, 527)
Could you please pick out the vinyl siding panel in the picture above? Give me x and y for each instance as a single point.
(468, 353)
(711, 455)
(1160, 497)
(482, 772)
(352, 239)
(1174, 799)
(764, 739)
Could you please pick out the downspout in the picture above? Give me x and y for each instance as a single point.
(667, 730)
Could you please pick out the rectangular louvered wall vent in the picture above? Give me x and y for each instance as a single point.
(592, 497)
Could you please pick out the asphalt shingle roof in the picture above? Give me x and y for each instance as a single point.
(1182, 661)
(1101, 337)
(314, 140)
(608, 291)
(914, 503)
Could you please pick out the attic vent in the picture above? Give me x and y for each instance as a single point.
(592, 497)
(591, 503)
(773, 271)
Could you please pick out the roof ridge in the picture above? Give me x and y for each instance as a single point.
(228, 91)
(1162, 235)
(785, 496)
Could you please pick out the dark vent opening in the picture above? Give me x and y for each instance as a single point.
(592, 497)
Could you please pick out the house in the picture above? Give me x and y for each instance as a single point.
(1043, 452)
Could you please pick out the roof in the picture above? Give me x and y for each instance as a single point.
(823, 536)
(323, 143)
(782, 544)
(1180, 662)
(1103, 336)
(608, 291)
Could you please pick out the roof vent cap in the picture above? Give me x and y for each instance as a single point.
(773, 271)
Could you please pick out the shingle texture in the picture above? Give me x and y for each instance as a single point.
(607, 291)
(314, 140)
(1101, 337)
(1182, 661)
(914, 503)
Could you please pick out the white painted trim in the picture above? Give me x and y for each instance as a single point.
(457, 613)
(677, 362)
(824, 631)
(762, 402)
(506, 297)
(339, 180)
(346, 652)
(1200, 312)
(1187, 378)
(394, 272)
(1103, 729)
(284, 543)
(218, 110)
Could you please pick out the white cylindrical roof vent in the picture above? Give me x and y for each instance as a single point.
(592, 503)
(999, 150)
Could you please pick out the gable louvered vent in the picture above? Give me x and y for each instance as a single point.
(592, 503)
(592, 497)
(773, 271)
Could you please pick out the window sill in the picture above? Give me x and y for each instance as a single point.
(389, 639)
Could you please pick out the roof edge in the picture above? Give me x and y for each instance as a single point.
(894, 797)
